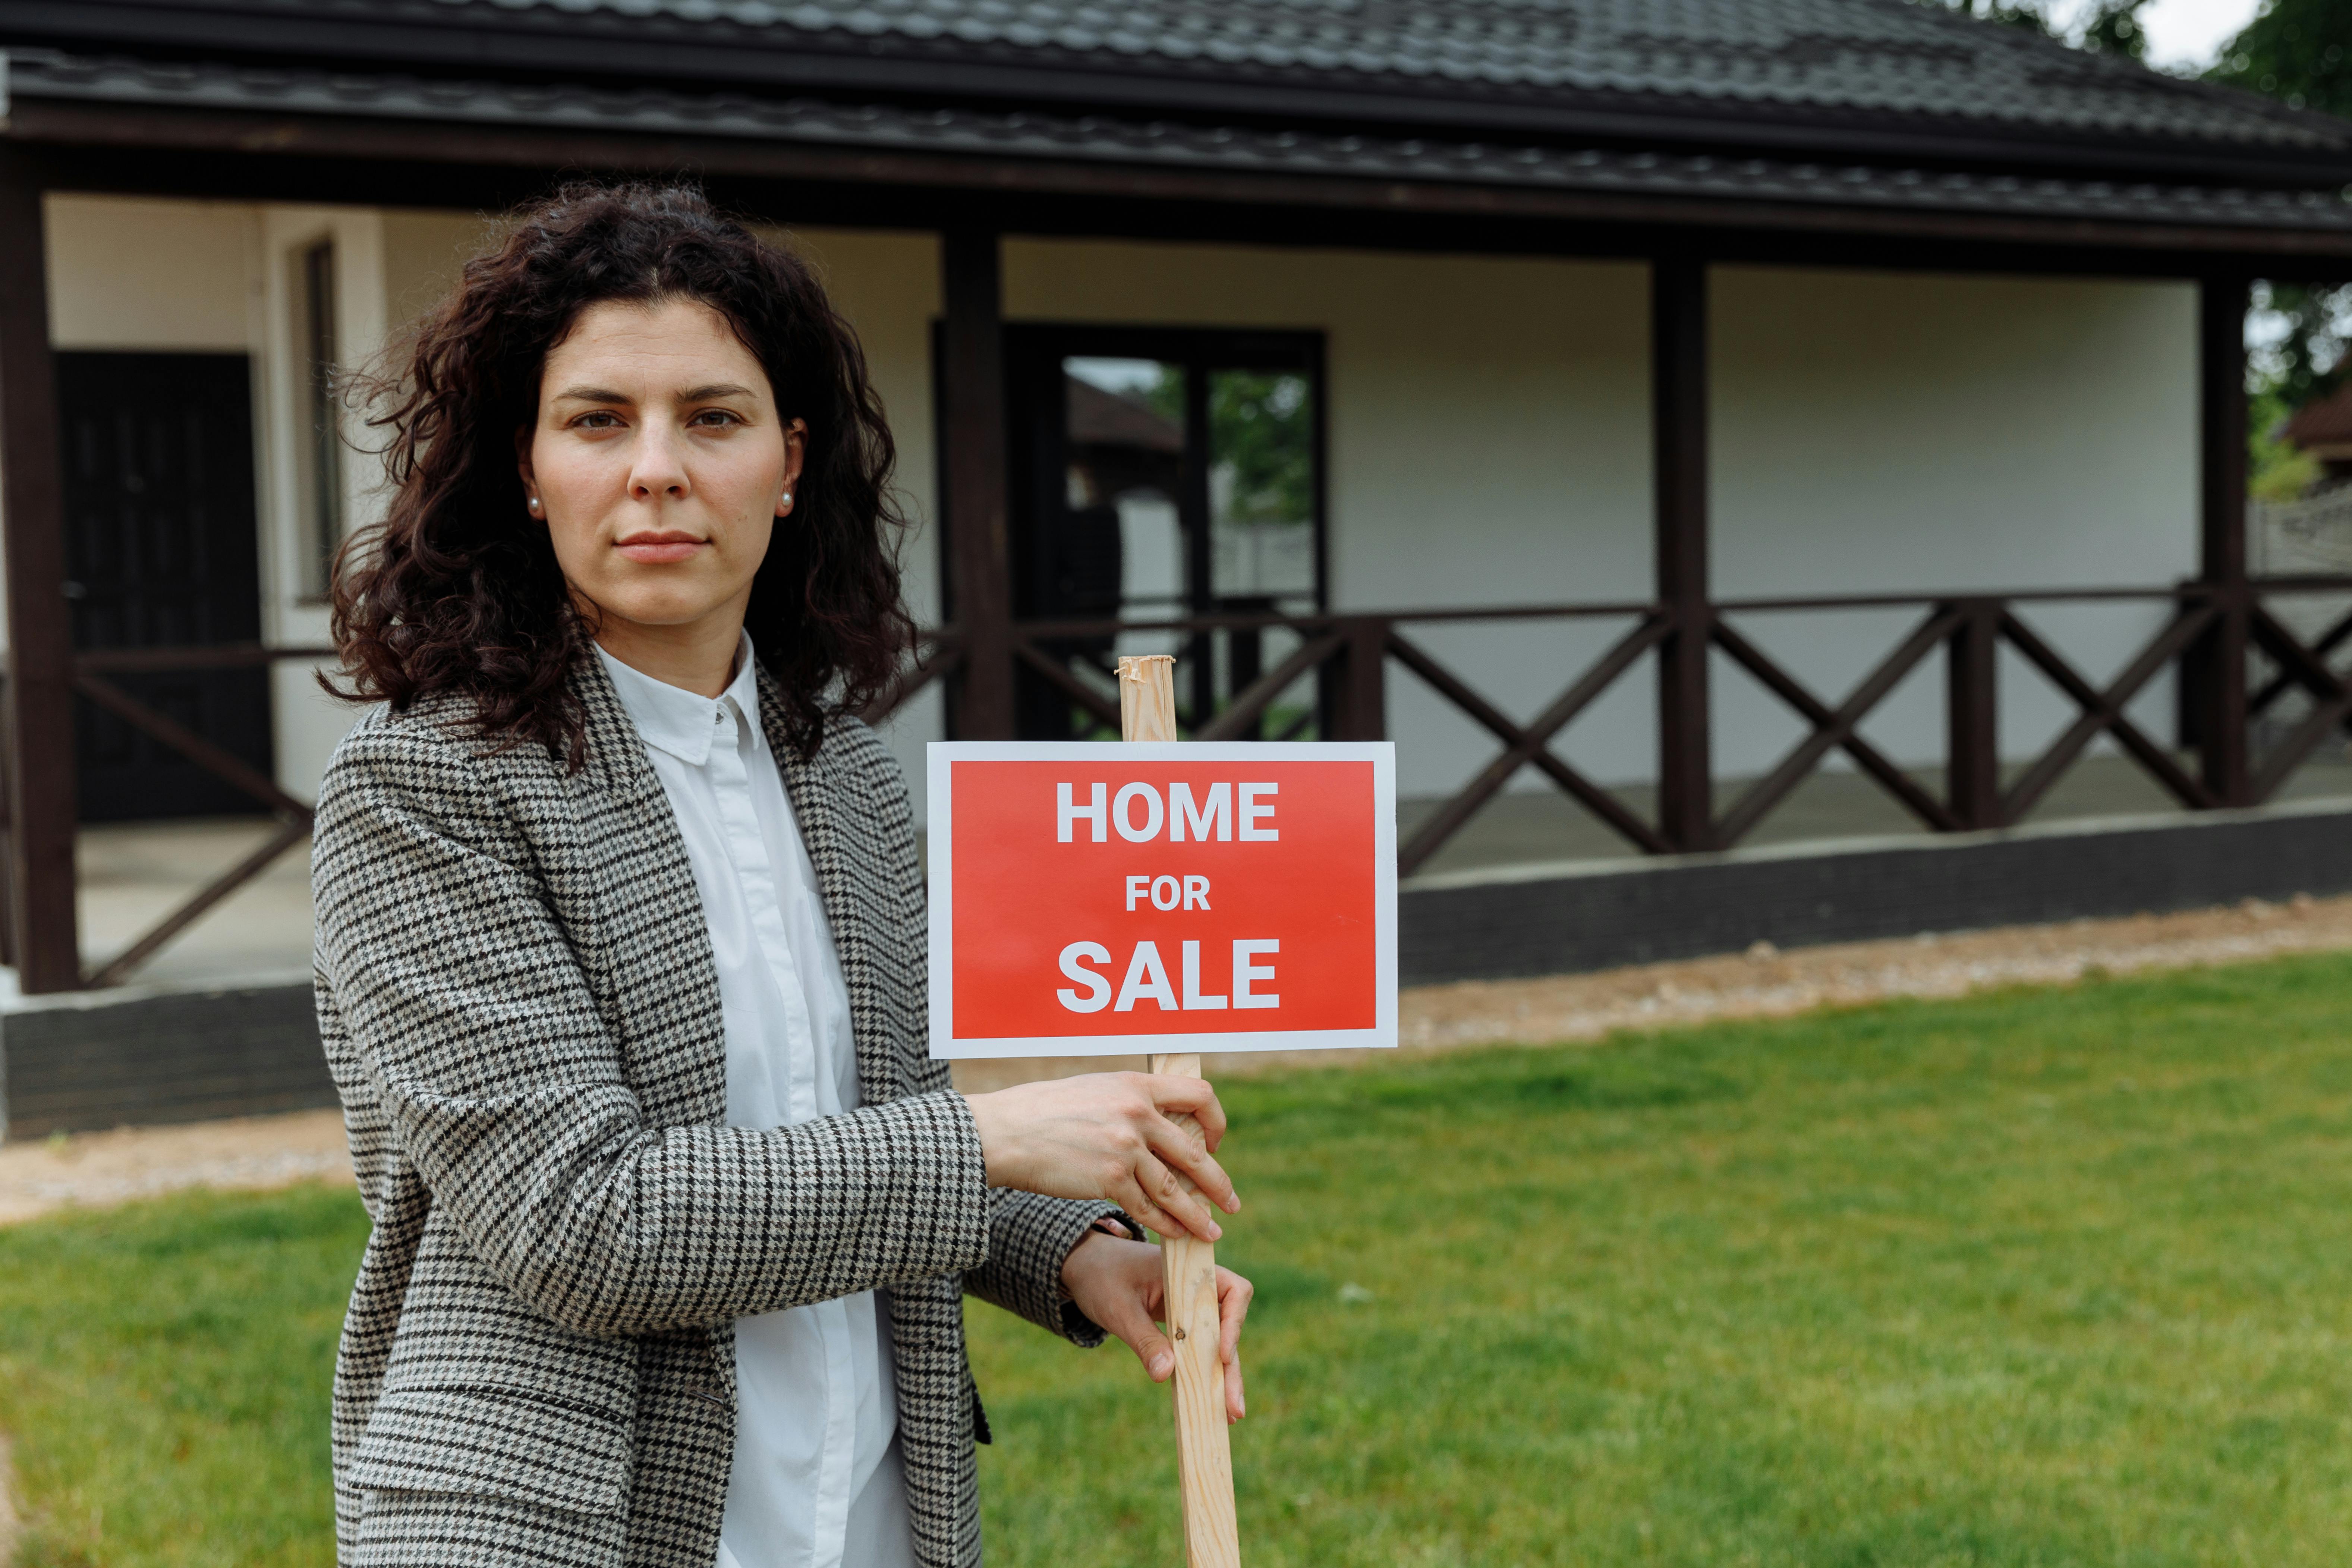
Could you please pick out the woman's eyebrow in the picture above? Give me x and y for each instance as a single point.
(717, 389)
(590, 395)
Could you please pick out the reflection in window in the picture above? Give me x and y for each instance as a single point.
(1261, 486)
(323, 478)
(1123, 546)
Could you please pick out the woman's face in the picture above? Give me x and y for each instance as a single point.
(659, 464)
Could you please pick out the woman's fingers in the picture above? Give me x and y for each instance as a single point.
(1192, 1096)
(1127, 1191)
(1176, 1148)
(1234, 1294)
(1181, 1212)
(1107, 1135)
(1135, 1328)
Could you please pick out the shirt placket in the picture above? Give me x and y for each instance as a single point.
(756, 874)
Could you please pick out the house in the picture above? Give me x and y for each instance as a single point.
(1665, 422)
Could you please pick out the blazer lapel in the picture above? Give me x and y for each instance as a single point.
(825, 810)
(661, 982)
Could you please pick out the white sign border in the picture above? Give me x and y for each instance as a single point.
(938, 755)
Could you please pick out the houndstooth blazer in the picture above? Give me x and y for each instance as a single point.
(519, 1001)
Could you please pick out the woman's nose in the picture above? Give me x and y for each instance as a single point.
(657, 469)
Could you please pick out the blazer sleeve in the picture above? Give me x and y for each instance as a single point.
(1030, 1237)
(473, 1021)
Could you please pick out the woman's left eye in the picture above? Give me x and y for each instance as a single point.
(717, 416)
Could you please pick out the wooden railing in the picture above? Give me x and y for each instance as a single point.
(92, 679)
(1346, 658)
(1350, 655)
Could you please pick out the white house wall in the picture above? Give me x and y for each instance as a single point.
(1887, 434)
(888, 286)
(128, 274)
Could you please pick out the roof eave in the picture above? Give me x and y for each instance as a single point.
(523, 45)
(232, 149)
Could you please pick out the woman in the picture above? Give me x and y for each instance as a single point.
(621, 954)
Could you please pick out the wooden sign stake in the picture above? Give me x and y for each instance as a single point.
(1205, 1459)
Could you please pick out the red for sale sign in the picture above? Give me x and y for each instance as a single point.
(1145, 897)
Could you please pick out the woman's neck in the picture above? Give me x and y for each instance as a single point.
(698, 656)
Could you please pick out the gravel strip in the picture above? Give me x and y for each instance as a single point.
(99, 1169)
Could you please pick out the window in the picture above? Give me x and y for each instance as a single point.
(1160, 474)
(321, 441)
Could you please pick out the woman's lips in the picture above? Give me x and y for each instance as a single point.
(655, 549)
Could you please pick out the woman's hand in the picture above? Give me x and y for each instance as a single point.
(1107, 1135)
(1118, 1286)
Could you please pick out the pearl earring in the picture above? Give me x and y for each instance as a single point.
(788, 499)
(532, 505)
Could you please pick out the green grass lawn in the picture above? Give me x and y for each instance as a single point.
(2035, 1279)
(163, 1370)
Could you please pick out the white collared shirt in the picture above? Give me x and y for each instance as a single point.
(814, 1484)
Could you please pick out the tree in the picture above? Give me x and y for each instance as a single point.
(2028, 15)
(2300, 52)
(2114, 29)
(1261, 426)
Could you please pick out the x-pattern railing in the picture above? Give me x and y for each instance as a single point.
(1359, 645)
(1347, 656)
(93, 679)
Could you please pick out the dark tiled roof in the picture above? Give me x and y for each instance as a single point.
(1881, 55)
(2327, 423)
(1903, 76)
(1099, 418)
(1173, 144)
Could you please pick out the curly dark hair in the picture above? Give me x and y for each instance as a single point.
(457, 591)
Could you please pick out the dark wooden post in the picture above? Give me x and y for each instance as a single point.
(1355, 692)
(2213, 670)
(1972, 712)
(1678, 397)
(972, 396)
(38, 708)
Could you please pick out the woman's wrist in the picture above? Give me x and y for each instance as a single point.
(1115, 1224)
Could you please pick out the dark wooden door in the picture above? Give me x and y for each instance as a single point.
(161, 553)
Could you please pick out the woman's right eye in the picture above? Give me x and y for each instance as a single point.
(598, 419)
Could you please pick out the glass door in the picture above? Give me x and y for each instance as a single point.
(1164, 474)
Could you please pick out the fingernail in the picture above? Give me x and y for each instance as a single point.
(1160, 1366)
(1233, 1205)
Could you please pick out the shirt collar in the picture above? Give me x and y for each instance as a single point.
(679, 722)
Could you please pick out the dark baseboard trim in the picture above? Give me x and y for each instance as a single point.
(1526, 922)
(95, 1062)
